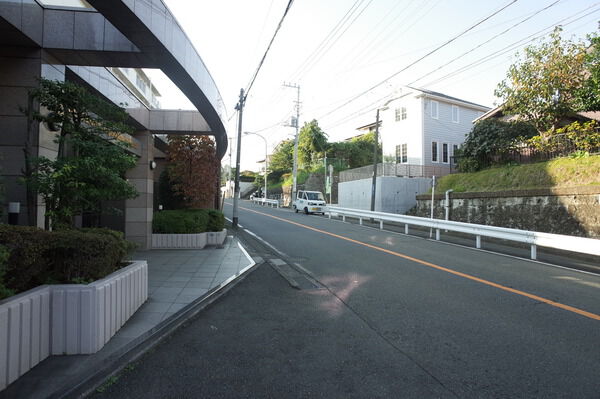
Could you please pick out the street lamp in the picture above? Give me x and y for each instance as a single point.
(266, 153)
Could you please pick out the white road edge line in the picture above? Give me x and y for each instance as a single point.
(266, 243)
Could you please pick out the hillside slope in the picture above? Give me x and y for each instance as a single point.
(558, 173)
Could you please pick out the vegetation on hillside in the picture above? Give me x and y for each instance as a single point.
(313, 147)
(558, 173)
(544, 90)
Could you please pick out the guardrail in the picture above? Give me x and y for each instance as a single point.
(263, 201)
(588, 246)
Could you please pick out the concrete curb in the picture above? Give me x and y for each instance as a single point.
(83, 385)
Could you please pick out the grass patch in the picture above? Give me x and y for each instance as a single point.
(561, 172)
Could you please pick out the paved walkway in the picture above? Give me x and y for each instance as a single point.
(176, 277)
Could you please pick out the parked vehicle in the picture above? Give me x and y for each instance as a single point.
(309, 202)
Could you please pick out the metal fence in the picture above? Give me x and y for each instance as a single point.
(396, 169)
(554, 147)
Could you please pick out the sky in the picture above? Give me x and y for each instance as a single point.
(337, 50)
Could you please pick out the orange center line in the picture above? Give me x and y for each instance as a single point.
(444, 269)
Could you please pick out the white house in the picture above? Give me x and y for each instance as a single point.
(423, 128)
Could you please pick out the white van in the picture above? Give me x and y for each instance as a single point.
(309, 202)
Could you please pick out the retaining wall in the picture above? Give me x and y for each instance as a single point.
(571, 211)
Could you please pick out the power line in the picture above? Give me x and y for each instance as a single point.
(260, 64)
(419, 59)
(328, 47)
(329, 35)
(480, 61)
(540, 33)
(487, 41)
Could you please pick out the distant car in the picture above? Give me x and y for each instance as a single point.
(309, 202)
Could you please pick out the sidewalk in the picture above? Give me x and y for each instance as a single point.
(176, 279)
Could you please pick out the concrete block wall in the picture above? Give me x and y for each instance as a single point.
(392, 194)
(66, 319)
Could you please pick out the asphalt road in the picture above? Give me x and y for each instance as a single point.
(389, 316)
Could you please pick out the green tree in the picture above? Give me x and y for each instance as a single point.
(92, 159)
(357, 152)
(312, 143)
(492, 137)
(283, 156)
(542, 87)
(588, 97)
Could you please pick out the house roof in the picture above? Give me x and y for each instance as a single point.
(441, 96)
(498, 112)
(368, 126)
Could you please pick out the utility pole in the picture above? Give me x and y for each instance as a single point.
(240, 108)
(230, 167)
(325, 171)
(297, 125)
(375, 153)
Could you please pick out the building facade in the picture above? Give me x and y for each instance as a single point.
(421, 129)
(100, 45)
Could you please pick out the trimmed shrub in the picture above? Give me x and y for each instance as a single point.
(187, 221)
(180, 222)
(126, 247)
(4, 254)
(66, 256)
(216, 220)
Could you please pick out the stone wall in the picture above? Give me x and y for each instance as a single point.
(572, 211)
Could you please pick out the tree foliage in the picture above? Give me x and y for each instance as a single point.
(492, 137)
(91, 162)
(588, 96)
(194, 169)
(357, 152)
(543, 86)
(283, 156)
(312, 143)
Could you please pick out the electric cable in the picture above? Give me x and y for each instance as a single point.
(420, 59)
(260, 64)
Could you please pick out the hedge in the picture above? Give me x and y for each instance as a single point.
(187, 221)
(38, 257)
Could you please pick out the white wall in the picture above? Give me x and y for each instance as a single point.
(407, 131)
(392, 194)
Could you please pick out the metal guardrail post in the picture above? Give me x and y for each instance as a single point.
(532, 238)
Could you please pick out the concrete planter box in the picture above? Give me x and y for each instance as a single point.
(189, 241)
(66, 319)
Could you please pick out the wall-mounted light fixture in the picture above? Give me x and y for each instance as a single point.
(152, 165)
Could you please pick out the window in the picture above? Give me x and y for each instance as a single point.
(400, 114)
(434, 109)
(402, 153)
(434, 151)
(455, 114)
(445, 153)
(454, 151)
